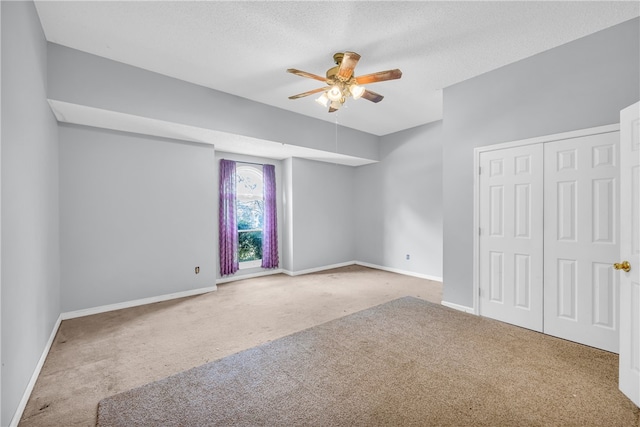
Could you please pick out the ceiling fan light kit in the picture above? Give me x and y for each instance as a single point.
(342, 84)
(323, 100)
(356, 91)
(335, 93)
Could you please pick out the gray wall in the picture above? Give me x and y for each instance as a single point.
(0, 216)
(322, 200)
(136, 216)
(279, 206)
(399, 203)
(85, 79)
(30, 234)
(581, 84)
(287, 214)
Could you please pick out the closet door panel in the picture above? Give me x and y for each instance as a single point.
(580, 240)
(510, 255)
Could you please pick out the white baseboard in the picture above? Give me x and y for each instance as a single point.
(249, 276)
(135, 303)
(403, 272)
(316, 269)
(34, 377)
(459, 307)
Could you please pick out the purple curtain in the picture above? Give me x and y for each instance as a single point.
(227, 220)
(270, 223)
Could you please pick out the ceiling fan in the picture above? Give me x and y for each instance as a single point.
(341, 83)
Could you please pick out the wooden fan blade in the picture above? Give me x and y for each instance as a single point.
(311, 92)
(305, 74)
(372, 96)
(349, 62)
(379, 77)
(331, 109)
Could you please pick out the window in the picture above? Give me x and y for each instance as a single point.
(248, 221)
(250, 214)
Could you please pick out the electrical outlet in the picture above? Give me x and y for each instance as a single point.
(197, 270)
(408, 257)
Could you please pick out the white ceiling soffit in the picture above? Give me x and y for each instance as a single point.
(81, 114)
(244, 47)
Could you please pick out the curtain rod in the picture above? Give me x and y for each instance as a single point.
(249, 163)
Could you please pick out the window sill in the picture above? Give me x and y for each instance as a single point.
(250, 264)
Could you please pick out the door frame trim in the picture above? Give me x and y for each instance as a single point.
(476, 186)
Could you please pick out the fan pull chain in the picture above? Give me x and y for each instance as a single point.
(336, 132)
(335, 164)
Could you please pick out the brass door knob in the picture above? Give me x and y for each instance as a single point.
(624, 265)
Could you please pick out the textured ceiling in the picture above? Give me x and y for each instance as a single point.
(244, 48)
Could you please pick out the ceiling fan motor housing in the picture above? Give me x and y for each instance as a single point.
(331, 72)
(335, 80)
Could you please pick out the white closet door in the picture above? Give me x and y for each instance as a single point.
(511, 235)
(630, 251)
(581, 291)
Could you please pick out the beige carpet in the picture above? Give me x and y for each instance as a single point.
(97, 356)
(405, 362)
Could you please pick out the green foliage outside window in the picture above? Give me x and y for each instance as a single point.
(249, 246)
(250, 211)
